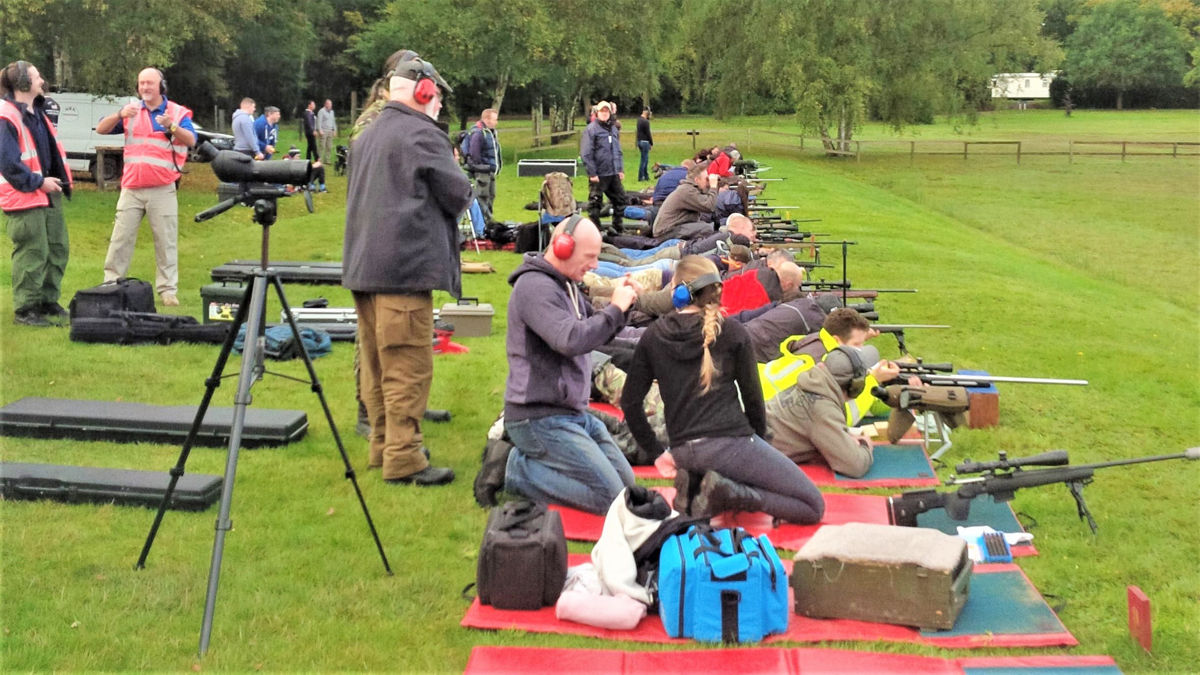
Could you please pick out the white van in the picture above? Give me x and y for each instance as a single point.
(78, 114)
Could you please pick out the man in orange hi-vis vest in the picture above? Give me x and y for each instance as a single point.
(158, 134)
(33, 179)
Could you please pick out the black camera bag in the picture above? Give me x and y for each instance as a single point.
(523, 559)
(122, 295)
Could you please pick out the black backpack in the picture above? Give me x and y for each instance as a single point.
(122, 295)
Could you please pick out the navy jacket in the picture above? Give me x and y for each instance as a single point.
(600, 147)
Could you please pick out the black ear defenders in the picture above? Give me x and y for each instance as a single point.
(162, 82)
(19, 80)
(564, 244)
(858, 372)
(685, 294)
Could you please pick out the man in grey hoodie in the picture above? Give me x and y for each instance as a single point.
(563, 455)
(809, 419)
(244, 139)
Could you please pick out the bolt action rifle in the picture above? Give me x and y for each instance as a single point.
(1001, 479)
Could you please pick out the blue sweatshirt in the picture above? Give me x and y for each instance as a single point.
(551, 333)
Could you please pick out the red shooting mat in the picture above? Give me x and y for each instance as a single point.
(839, 509)
(1003, 610)
(747, 661)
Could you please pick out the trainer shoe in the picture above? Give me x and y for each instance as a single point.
(430, 475)
(30, 317)
(54, 313)
(169, 300)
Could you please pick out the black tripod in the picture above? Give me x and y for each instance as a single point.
(250, 312)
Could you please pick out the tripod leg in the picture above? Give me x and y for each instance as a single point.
(319, 391)
(251, 353)
(211, 384)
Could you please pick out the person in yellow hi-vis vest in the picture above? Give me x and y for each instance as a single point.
(808, 419)
(798, 354)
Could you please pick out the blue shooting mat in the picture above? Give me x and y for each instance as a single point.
(897, 462)
(1002, 603)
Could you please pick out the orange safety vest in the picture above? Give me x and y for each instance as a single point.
(151, 159)
(12, 199)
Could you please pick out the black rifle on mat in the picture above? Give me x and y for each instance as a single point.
(1001, 479)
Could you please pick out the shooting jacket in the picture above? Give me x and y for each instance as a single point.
(809, 419)
(600, 148)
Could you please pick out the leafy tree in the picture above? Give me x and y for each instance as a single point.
(837, 62)
(100, 45)
(1124, 44)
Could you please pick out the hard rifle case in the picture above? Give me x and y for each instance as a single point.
(340, 322)
(904, 575)
(140, 422)
(541, 167)
(323, 272)
(125, 487)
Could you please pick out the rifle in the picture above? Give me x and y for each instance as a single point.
(928, 376)
(1001, 479)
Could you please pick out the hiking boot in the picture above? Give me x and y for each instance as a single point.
(54, 313)
(169, 300)
(430, 475)
(30, 317)
(490, 478)
(687, 484)
(718, 494)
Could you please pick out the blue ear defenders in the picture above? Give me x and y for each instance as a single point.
(684, 294)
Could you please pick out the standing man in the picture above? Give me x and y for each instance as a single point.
(310, 131)
(562, 455)
(405, 195)
(483, 160)
(244, 140)
(600, 148)
(326, 130)
(644, 142)
(266, 131)
(158, 134)
(33, 179)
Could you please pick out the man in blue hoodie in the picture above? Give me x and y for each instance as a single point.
(563, 455)
(266, 131)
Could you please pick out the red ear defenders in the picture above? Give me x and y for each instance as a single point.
(858, 375)
(422, 73)
(684, 294)
(564, 244)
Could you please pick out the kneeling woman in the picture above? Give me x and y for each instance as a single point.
(701, 363)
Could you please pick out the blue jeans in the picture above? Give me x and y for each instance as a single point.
(644, 167)
(566, 459)
(637, 253)
(611, 269)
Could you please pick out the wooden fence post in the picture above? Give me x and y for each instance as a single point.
(1122, 151)
(965, 150)
(1070, 151)
(1018, 152)
(912, 151)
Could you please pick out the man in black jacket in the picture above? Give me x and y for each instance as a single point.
(405, 195)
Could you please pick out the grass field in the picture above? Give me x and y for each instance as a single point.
(1085, 270)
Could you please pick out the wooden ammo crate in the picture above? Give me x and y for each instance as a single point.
(904, 575)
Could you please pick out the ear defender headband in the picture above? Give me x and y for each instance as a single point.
(22, 81)
(685, 294)
(858, 374)
(424, 74)
(564, 244)
(162, 82)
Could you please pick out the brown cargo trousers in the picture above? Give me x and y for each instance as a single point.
(395, 340)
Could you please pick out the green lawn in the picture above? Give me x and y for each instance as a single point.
(1086, 270)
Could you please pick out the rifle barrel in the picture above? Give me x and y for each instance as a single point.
(890, 327)
(932, 378)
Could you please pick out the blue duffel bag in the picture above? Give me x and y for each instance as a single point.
(721, 586)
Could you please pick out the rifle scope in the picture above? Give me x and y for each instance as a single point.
(1049, 458)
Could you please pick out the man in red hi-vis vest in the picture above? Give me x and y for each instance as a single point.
(33, 179)
(158, 134)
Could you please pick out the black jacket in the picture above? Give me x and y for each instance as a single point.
(405, 196)
(671, 351)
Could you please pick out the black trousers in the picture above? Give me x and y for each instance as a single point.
(311, 152)
(612, 187)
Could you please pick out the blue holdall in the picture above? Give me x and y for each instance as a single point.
(721, 586)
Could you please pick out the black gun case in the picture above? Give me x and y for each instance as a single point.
(125, 487)
(288, 271)
(140, 422)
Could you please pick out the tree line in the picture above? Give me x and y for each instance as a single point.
(832, 63)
